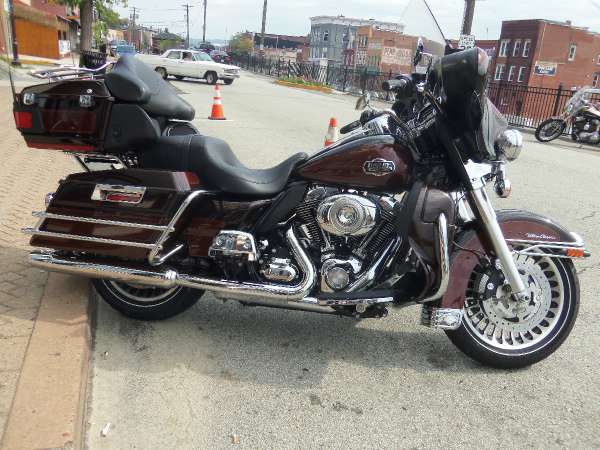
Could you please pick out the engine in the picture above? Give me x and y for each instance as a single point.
(348, 229)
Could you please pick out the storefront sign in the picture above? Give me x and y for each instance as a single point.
(546, 69)
(466, 41)
(399, 56)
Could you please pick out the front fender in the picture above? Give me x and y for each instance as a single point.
(515, 224)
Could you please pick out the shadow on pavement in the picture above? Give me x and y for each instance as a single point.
(273, 347)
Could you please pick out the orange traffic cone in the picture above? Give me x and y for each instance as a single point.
(217, 108)
(333, 134)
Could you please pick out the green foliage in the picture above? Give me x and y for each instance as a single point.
(169, 43)
(241, 44)
(301, 81)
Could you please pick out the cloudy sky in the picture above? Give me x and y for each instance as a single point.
(226, 17)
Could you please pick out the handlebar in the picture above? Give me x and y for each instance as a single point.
(394, 85)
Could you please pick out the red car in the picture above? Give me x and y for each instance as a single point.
(220, 57)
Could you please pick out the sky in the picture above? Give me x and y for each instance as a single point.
(225, 17)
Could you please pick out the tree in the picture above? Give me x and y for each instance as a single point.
(86, 13)
(241, 43)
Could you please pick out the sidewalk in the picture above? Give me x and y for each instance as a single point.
(27, 175)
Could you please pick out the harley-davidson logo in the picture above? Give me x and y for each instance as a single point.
(379, 167)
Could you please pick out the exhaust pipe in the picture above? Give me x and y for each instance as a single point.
(284, 296)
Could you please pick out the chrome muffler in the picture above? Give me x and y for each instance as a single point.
(284, 296)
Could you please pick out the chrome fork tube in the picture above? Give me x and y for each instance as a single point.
(490, 223)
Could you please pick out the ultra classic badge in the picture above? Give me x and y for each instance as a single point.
(379, 167)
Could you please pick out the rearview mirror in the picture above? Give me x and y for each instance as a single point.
(363, 101)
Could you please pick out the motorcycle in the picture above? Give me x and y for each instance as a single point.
(394, 214)
(580, 114)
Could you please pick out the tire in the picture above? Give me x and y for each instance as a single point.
(548, 329)
(145, 302)
(550, 129)
(179, 77)
(162, 72)
(228, 81)
(211, 78)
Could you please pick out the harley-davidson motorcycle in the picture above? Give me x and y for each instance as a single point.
(394, 214)
(580, 113)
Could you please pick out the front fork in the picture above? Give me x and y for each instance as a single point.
(481, 201)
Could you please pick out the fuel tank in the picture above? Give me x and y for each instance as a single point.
(378, 163)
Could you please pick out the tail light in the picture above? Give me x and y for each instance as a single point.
(23, 119)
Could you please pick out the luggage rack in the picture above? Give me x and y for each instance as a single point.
(70, 73)
(155, 257)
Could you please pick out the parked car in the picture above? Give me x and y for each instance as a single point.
(124, 50)
(113, 46)
(220, 56)
(192, 64)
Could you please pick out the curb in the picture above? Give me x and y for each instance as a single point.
(49, 403)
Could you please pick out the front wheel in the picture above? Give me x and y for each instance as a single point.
(500, 332)
(228, 81)
(550, 129)
(146, 302)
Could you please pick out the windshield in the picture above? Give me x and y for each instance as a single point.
(420, 24)
(580, 98)
(202, 57)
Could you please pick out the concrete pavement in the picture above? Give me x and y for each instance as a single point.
(224, 375)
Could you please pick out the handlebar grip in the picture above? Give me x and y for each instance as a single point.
(394, 85)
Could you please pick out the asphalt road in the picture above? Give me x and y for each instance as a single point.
(223, 375)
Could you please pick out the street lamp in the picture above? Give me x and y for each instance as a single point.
(13, 34)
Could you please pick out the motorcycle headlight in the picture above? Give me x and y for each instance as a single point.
(509, 145)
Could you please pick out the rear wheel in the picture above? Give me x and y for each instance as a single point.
(550, 129)
(162, 72)
(146, 302)
(211, 78)
(179, 77)
(500, 332)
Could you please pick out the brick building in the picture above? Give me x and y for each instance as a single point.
(543, 53)
(333, 38)
(283, 47)
(384, 50)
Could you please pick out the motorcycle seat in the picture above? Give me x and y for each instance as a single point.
(132, 81)
(216, 165)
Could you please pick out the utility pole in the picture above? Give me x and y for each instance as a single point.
(262, 30)
(204, 25)
(13, 34)
(468, 16)
(132, 33)
(187, 20)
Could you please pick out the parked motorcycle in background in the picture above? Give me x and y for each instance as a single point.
(581, 114)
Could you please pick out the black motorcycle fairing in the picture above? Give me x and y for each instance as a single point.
(133, 81)
(217, 166)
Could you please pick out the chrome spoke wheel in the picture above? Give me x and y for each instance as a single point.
(139, 295)
(505, 324)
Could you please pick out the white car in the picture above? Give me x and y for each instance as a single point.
(192, 64)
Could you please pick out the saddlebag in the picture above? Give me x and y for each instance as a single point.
(124, 213)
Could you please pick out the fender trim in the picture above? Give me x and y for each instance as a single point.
(517, 226)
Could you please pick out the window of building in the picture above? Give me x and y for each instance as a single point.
(521, 77)
(511, 73)
(572, 52)
(504, 47)
(526, 48)
(326, 36)
(517, 47)
(596, 80)
(499, 72)
(598, 60)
